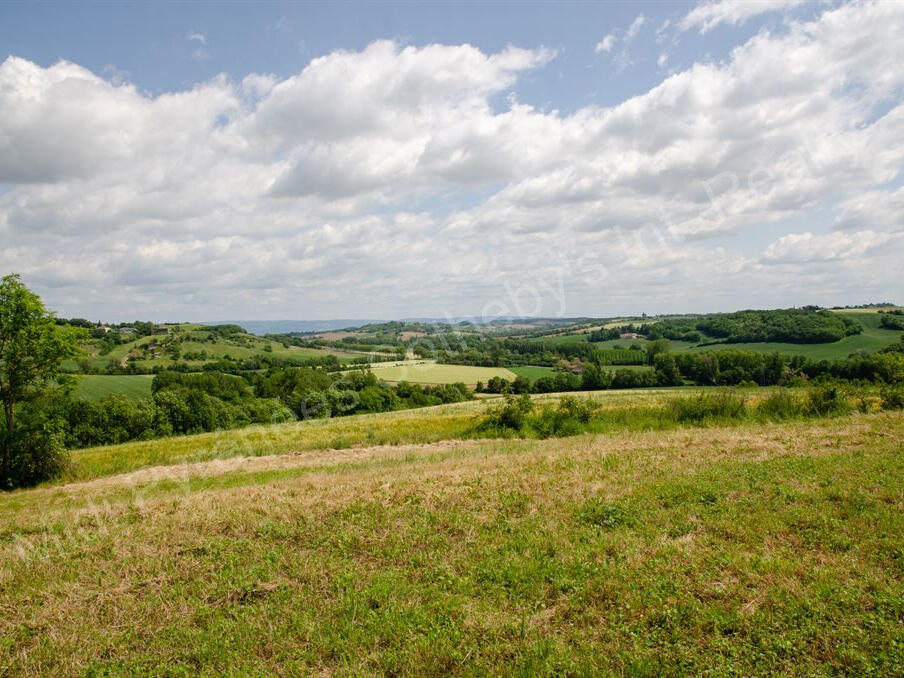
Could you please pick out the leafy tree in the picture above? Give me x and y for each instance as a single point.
(655, 347)
(32, 349)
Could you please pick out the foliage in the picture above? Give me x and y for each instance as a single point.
(891, 321)
(32, 349)
(722, 404)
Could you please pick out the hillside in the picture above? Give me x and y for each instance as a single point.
(194, 346)
(751, 549)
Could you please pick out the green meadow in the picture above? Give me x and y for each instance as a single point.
(750, 549)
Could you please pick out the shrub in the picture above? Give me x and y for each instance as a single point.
(37, 447)
(510, 416)
(893, 398)
(826, 400)
(720, 405)
(781, 405)
(570, 418)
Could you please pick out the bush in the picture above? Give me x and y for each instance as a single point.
(720, 405)
(510, 416)
(780, 406)
(37, 447)
(571, 417)
(826, 400)
(893, 398)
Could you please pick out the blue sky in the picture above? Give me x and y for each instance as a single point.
(313, 160)
(149, 42)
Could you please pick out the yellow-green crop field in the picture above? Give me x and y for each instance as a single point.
(431, 372)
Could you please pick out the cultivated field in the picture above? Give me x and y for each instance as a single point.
(755, 549)
(431, 372)
(94, 386)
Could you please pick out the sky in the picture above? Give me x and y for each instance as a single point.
(208, 161)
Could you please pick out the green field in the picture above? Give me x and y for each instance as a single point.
(94, 386)
(746, 550)
(431, 372)
(532, 372)
(871, 339)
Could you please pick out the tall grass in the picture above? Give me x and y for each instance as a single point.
(523, 417)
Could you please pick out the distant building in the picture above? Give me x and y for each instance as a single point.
(127, 330)
(575, 368)
(631, 335)
(161, 329)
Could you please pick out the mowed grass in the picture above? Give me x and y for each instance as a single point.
(431, 372)
(752, 550)
(95, 386)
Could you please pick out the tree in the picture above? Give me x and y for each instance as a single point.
(656, 347)
(32, 349)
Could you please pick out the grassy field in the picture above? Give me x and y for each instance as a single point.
(749, 550)
(532, 372)
(431, 372)
(425, 425)
(94, 386)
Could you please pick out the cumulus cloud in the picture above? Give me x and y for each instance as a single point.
(392, 181)
(708, 15)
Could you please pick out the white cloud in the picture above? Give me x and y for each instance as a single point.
(662, 60)
(882, 210)
(196, 37)
(390, 182)
(606, 44)
(635, 26)
(801, 248)
(708, 15)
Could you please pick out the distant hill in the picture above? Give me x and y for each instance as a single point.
(262, 327)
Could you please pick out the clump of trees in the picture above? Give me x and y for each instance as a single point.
(717, 368)
(893, 320)
(186, 403)
(32, 350)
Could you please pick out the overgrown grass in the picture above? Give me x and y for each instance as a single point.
(613, 412)
(571, 415)
(758, 549)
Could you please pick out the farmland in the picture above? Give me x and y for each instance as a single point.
(767, 549)
(431, 372)
(94, 386)
(872, 338)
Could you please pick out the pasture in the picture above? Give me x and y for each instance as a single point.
(754, 550)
